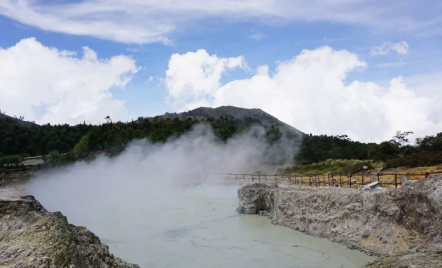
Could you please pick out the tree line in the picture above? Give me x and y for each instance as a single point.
(82, 140)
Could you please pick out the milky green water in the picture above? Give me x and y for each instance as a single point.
(199, 227)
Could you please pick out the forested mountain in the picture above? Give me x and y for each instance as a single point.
(23, 139)
(236, 116)
(19, 139)
(20, 120)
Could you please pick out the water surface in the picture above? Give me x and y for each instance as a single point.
(197, 226)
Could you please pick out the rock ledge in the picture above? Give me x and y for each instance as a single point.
(400, 223)
(30, 236)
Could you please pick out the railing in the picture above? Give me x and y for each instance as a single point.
(357, 180)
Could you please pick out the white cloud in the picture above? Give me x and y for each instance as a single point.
(49, 85)
(311, 93)
(400, 48)
(384, 49)
(135, 21)
(195, 75)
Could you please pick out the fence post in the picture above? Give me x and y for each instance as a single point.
(349, 179)
(236, 177)
(340, 180)
(362, 180)
(395, 180)
(379, 179)
(426, 174)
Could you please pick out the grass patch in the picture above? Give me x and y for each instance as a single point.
(332, 166)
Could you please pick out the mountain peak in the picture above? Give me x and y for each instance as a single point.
(234, 114)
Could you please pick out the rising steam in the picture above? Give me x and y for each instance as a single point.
(162, 205)
(145, 168)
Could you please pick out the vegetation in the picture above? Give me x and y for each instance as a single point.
(315, 149)
(426, 152)
(64, 143)
(344, 166)
(80, 140)
(16, 139)
(10, 160)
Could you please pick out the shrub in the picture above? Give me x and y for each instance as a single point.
(10, 160)
(81, 147)
(416, 160)
(384, 151)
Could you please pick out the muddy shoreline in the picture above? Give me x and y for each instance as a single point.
(384, 223)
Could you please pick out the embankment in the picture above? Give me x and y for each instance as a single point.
(385, 223)
(30, 236)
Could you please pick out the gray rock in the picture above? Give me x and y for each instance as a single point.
(366, 233)
(33, 237)
(406, 217)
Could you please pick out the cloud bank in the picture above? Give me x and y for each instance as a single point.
(311, 93)
(45, 84)
(134, 21)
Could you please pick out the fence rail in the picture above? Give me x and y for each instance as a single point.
(357, 180)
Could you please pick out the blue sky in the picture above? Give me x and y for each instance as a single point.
(405, 34)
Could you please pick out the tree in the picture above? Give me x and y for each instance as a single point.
(384, 151)
(400, 139)
(8, 146)
(343, 137)
(430, 143)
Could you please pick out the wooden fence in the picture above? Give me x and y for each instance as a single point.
(389, 180)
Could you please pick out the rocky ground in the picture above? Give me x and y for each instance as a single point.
(30, 236)
(404, 225)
